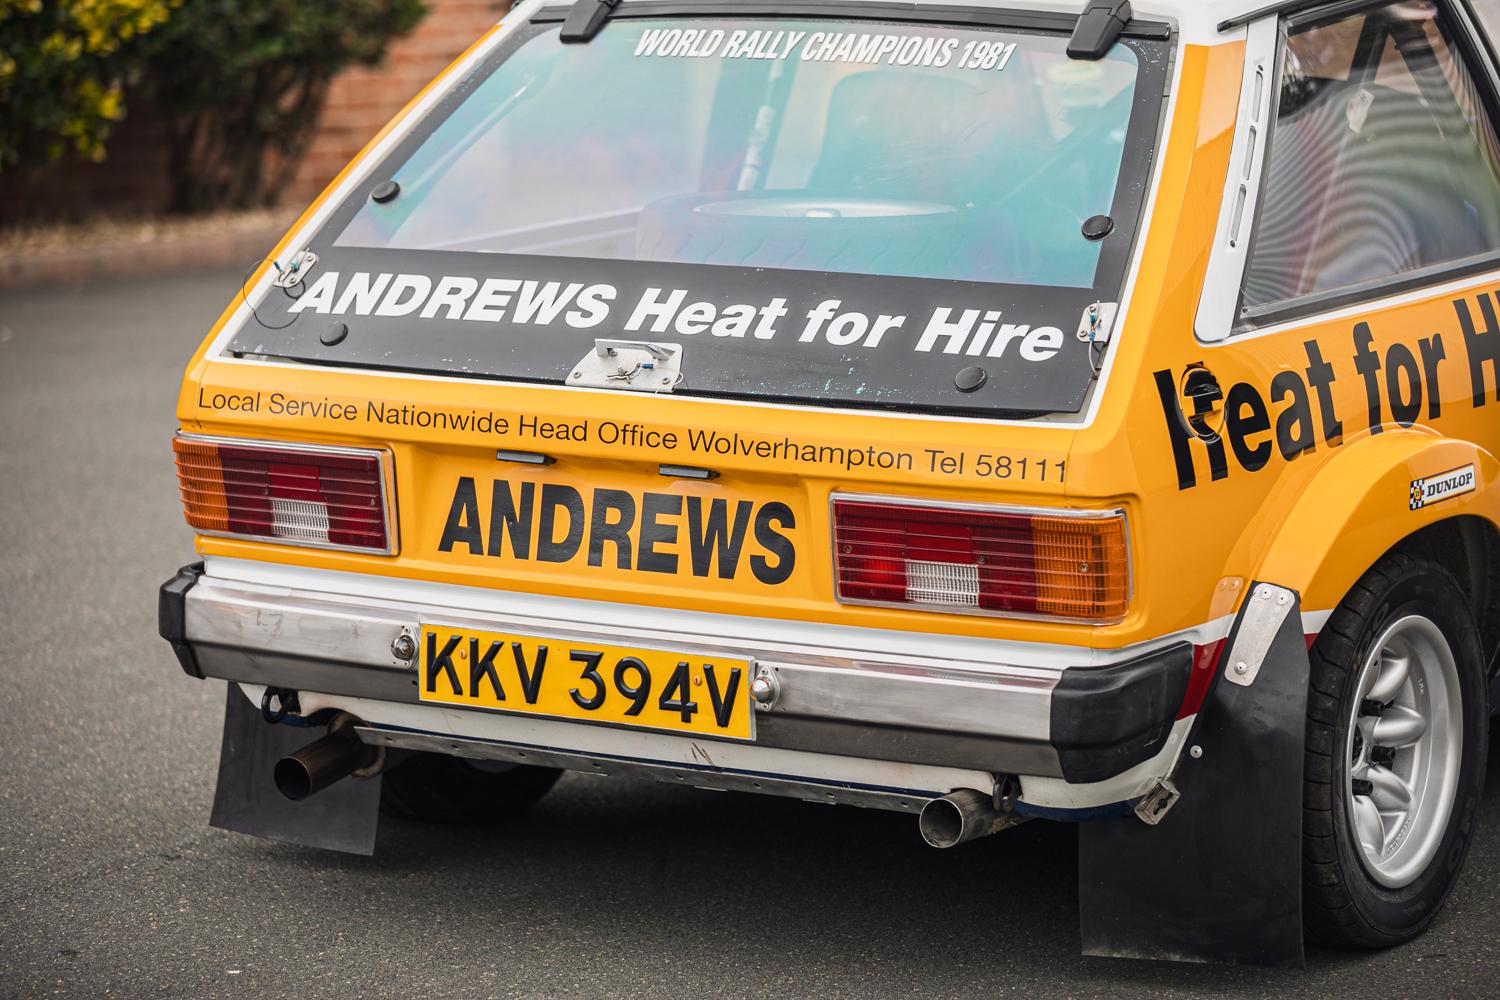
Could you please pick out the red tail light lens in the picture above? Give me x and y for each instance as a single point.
(982, 560)
(294, 494)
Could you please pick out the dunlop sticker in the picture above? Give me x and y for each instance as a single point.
(1443, 486)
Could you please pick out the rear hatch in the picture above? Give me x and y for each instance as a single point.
(833, 215)
(849, 212)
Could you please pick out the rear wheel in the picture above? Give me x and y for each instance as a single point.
(437, 788)
(1397, 737)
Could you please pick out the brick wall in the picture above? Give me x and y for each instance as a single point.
(132, 179)
(361, 100)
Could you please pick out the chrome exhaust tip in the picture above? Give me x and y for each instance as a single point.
(962, 816)
(324, 761)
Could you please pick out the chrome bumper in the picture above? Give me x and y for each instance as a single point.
(849, 692)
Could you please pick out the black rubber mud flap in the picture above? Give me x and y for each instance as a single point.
(1219, 879)
(342, 817)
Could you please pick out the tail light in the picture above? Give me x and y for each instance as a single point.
(321, 496)
(982, 560)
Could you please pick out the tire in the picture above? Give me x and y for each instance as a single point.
(1383, 886)
(437, 788)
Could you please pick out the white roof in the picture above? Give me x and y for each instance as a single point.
(1197, 20)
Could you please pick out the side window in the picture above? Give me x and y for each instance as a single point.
(1488, 14)
(1382, 160)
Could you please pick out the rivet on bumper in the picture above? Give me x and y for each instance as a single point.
(404, 646)
(765, 689)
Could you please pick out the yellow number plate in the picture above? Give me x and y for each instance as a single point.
(620, 685)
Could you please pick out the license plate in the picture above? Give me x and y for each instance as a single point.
(591, 682)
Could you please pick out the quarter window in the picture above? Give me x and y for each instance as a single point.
(1488, 12)
(1382, 161)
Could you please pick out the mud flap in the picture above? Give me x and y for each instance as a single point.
(342, 817)
(1219, 879)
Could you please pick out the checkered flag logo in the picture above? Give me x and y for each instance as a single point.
(1418, 488)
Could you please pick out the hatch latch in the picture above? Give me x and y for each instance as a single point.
(1097, 322)
(296, 269)
(629, 364)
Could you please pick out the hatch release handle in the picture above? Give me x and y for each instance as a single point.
(629, 364)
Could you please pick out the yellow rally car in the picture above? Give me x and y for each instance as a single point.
(984, 412)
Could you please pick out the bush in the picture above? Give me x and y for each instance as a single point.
(63, 67)
(242, 81)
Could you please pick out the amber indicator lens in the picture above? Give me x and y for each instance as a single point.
(305, 496)
(972, 559)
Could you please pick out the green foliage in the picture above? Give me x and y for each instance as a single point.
(242, 82)
(63, 66)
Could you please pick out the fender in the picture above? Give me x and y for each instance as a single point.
(1341, 522)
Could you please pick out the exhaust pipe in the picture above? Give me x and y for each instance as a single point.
(324, 761)
(961, 816)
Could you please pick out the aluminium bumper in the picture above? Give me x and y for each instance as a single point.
(842, 692)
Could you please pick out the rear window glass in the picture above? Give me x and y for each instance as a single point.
(932, 151)
(850, 212)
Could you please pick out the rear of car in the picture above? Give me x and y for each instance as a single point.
(636, 383)
(852, 404)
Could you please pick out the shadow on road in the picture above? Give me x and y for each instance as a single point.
(792, 889)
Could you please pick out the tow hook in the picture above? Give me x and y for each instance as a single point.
(286, 704)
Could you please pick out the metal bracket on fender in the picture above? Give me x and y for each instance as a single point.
(1259, 623)
(342, 817)
(1219, 877)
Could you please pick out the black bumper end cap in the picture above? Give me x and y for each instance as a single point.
(171, 616)
(1106, 720)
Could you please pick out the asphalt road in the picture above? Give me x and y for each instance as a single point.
(112, 884)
